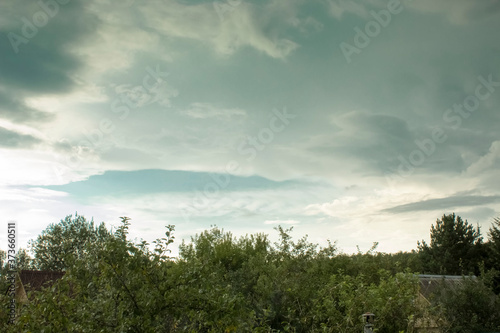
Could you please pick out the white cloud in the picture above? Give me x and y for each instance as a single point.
(27, 167)
(206, 110)
(116, 43)
(487, 162)
(281, 222)
(21, 129)
(240, 27)
(33, 209)
(349, 150)
(139, 96)
(307, 25)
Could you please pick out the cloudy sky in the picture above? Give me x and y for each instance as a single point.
(355, 121)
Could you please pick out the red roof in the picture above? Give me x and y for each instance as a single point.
(35, 280)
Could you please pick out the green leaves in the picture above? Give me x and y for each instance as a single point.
(221, 283)
(71, 239)
(494, 237)
(468, 306)
(455, 248)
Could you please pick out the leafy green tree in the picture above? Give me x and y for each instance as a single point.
(494, 240)
(345, 297)
(456, 247)
(219, 274)
(220, 283)
(70, 239)
(493, 248)
(24, 260)
(3, 272)
(121, 287)
(468, 307)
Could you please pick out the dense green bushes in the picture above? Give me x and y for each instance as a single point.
(220, 283)
(469, 306)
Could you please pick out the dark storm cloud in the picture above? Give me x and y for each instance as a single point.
(445, 203)
(376, 139)
(484, 9)
(12, 108)
(37, 59)
(11, 139)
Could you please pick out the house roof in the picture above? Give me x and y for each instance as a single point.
(35, 280)
(430, 283)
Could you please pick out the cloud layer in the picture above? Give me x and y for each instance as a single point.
(103, 102)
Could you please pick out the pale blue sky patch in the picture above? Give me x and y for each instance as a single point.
(141, 182)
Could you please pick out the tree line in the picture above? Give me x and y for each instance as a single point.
(222, 283)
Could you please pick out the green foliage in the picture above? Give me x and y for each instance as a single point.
(220, 283)
(456, 247)
(392, 299)
(469, 306)
(493, 251)
(494, 238)
(117, 287)
(24, 260)
(68, 240)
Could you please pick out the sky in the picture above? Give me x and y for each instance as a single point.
(355, 121)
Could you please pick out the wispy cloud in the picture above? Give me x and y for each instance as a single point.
(12, 139)
(134, 107)
(206, 110)
(281, 222)
(445, 204)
